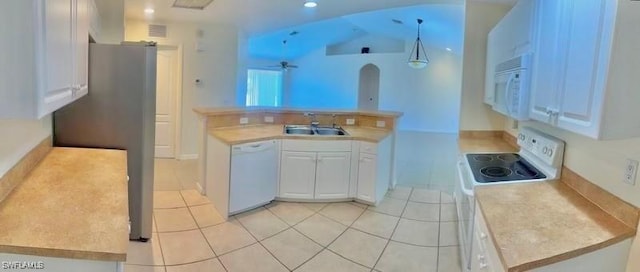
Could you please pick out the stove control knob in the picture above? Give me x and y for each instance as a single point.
(521, 136)
(545, 150)
(550, 152)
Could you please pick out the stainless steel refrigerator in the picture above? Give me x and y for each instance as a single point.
(119, 113)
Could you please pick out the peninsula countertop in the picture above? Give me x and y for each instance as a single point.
(253, 133)
(539, 223)
(73, 204)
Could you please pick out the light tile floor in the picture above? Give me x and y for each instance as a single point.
(413, 229)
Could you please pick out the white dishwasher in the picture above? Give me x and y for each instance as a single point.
(254, 175)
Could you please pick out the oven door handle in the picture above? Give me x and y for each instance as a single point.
(461, 178)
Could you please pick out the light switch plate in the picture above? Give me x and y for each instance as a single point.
(381, 124)
(244, 120)
(351, 121)
(268, 119)
(630, 172)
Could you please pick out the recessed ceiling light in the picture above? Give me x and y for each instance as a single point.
(310, 4)
(448, 49)
(149, 11)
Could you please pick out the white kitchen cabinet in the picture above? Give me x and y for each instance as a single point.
(45, 65)
(319, 170)
(367, 177)
(374, 171)
(512, 36)
(297, 175)
(332, 175)
(583, 79)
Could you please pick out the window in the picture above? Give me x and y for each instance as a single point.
(264, 88)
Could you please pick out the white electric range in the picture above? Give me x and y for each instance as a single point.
(539, 159)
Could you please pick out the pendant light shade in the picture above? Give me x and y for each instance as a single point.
(416, 60)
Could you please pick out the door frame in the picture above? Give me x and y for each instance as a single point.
(177, 122)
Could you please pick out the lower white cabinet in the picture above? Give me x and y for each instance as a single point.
(333, 170)
(374, 170)
(366, 176)
(297, 174)
(315, 170)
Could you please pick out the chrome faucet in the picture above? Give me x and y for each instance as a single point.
(333, 121)
(314, 120)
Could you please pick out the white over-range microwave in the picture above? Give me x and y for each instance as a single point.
(511, 87)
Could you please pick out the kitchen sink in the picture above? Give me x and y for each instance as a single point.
(330, 131)
(310, 130)
(298, 131)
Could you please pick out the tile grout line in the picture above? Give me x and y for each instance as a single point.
(343, 232)
(296, 230)
(260, 242)
(203, 236)
(392, 233)
(439, 232)
(334, 239)
(164, 263)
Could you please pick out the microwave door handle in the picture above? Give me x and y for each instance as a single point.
(507, 93)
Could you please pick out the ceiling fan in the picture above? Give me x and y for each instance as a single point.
(284, 65)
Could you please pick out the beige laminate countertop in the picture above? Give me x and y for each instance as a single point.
(539, 223)
(74, 204)
(247, 134)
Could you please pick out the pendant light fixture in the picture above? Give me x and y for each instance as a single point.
(417, 61)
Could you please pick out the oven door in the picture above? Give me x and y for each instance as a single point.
(465, 205)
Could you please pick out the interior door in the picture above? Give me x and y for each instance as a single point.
(369, 87)
(166, 90)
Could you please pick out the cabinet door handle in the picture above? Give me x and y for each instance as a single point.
(483, 265)
(483, 236)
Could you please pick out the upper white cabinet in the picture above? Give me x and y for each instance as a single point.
(511, 37)
(584, 67)
(45, 45)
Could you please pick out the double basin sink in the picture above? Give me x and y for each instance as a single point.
(314, 130)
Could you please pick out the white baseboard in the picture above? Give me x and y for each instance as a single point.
(188, 157)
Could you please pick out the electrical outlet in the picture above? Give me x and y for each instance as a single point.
(351, 121)
(381, 124)
(630, 172)
(268, 119)
(244, 120)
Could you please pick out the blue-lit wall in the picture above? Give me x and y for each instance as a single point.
(430, 98)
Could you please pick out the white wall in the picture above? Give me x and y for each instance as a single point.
(216, 66)
(479, 20)
(428, 97)
(18, 137)
(111, 21)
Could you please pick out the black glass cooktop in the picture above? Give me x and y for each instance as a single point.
(487, 168)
